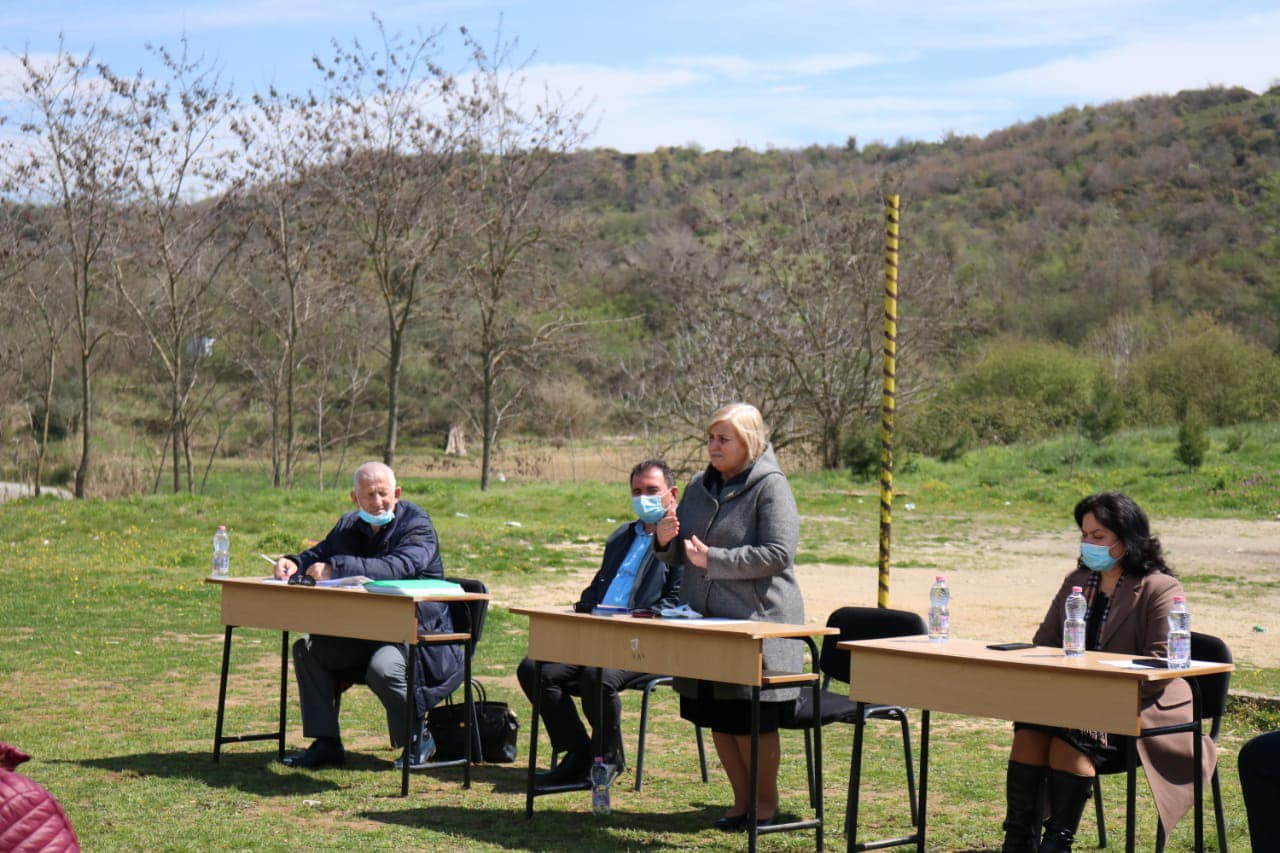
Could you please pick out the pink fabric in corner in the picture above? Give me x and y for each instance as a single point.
(11, 757)
(31, 819)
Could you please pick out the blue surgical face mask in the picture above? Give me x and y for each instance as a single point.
(378, 520)
(648, 508)
(1096, 557)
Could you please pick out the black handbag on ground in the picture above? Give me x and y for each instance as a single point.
(493, 737)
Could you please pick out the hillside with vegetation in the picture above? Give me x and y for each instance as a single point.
(310, 292)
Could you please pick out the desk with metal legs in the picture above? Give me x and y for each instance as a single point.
(337, 612)
(729, 651)
(1101, 692)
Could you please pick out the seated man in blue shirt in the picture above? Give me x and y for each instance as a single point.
(384, 538)
(631, 577)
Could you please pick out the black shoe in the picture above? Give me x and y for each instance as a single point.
(574, 767)
(732, 823)
(319, 754)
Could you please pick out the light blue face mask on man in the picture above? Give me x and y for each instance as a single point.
(1096, 557)
(648, 508)
(378, 520)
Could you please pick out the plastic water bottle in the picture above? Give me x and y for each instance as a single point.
(1179, 634)
(601, 779)
(1073, 627)
(221, 553)
(939, 610)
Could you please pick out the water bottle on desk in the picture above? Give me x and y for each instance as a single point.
(600, 781)
(1073, 627)
(939, 610)
(221, 553)
(1179, 634)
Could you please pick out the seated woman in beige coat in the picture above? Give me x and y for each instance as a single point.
(1130, 590)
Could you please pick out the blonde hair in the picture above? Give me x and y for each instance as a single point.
(745, 420)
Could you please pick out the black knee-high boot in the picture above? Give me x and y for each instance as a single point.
(1068, 794)
(1022, 809)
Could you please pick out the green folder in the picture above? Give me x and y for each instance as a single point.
(414, 586)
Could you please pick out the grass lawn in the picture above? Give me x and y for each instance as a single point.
(110, 643)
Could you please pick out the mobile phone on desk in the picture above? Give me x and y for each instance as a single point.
(1153, 663)
(1010, 647)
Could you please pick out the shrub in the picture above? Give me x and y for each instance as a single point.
(1019, 390)
(861, 452)
(1211, 368)
(1102, 417)
(1193, 439)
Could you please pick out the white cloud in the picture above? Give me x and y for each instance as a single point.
(737, 67)
(1239, 52)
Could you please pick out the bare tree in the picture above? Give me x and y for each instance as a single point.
(282, 139)
(33, 347)
(390, 147)
(812, 279)
(341, 373)
(505, 307)
(185, 195)
(72, 155)
(707, 355)
(791, 316)
(47, 326)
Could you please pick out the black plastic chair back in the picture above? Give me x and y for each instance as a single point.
(863, 623)
(469, 615)
(1213, 688)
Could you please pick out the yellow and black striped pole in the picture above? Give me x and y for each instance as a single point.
(891, 215)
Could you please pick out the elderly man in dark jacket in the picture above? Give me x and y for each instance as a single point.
(385, 538)
(630, 577)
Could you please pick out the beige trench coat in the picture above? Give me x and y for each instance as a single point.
(1137, 624)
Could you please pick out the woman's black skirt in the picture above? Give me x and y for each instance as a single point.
(733, 716)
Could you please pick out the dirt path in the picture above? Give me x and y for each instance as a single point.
(1002, 586)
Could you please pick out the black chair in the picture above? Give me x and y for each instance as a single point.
(856, 623)
(468, 617)
(647, 683)
(1213, 704)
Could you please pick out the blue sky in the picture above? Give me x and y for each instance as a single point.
(784, 73)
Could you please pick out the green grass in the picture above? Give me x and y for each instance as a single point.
(111, 642)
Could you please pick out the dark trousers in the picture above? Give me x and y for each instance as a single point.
(320, 663)
(1259, 765)
(561, 682)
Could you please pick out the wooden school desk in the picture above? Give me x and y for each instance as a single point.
(337, 612)
(1100, 692)
(725, 650)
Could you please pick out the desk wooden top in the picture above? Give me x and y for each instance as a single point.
(1102, 664)
(744, 628)
(272, 583)
(1100, 690)
(729, 650)
(333, 610)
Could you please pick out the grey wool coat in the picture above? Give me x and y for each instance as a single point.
(752, 529)
(1137, 624)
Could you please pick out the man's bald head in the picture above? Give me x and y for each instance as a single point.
(371, 471)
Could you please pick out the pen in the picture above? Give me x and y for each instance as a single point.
(265, 557)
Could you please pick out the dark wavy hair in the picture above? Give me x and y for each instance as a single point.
(1119, 514)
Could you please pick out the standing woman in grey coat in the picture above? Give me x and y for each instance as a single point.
(736, 533)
